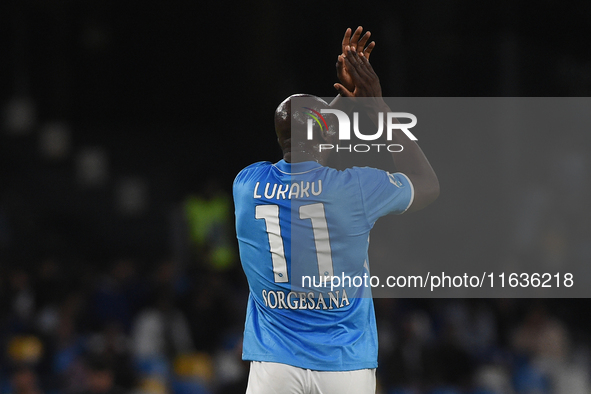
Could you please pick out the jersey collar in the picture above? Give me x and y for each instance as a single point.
(296, 168)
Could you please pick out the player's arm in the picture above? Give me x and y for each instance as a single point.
(411, 160)
(358, 42)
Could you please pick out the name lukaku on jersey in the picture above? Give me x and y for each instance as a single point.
(288, 191)
(277, 299)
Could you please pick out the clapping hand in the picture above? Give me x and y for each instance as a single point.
(357, 45)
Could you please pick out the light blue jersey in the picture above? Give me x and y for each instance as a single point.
(296, 224)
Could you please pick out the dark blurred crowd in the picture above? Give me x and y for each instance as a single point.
(129, 327)
(71, 327)
(482, 346)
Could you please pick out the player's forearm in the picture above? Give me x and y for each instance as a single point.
(411, 161)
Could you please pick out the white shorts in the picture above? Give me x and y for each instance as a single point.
(275, 378)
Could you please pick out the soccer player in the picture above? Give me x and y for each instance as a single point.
(298, 216)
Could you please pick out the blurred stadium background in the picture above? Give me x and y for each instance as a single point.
(123, 125)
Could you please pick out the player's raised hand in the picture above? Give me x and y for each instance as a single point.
(358, 44)
(365, 81)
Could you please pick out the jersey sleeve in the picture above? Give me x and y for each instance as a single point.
(384, 193)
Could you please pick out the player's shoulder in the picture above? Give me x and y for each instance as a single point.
(348, 175)
(256, 165)
(250, 169)
(366, 170)
(371, 175)
(363, 173)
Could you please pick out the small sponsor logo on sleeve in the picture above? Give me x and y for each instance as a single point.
(394, 181)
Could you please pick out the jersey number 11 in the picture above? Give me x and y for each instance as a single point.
(314, 212)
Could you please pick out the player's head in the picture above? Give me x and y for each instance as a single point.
(291, 126)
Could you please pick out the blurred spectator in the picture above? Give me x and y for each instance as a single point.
(231, 371)
(193, 374)
(210, 227)
(118, 295)
(493, 379)
(22, 300)
(112, 345)
(100, 378)
(50, 289)
(25, 349)
(24, 381)
(541, 336)
(211, 312)
(68, 346)
(161, 330)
